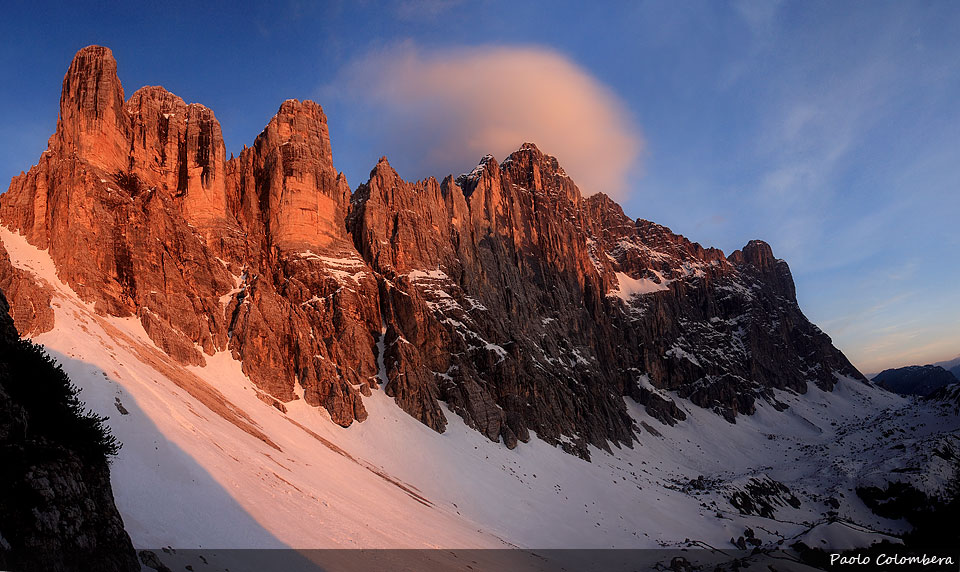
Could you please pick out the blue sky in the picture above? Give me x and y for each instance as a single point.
(830, 130)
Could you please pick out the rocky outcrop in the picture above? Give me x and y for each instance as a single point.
(720, 332)
(56, 505)
(179, 148)
(504, 293)
(948, 395)
(117, 224)
(92, 123)
(498, 306)
(30, 311)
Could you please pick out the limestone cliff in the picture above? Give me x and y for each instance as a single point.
(505, 293)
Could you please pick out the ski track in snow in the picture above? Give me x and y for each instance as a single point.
(206, 464)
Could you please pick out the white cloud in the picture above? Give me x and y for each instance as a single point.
(439, 111)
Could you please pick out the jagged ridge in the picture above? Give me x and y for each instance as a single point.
(505, 293)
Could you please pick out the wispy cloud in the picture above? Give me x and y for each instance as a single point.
(443, 110)
(424, 9)
(761, 18)
(760, 15)
(812, 127)
(840, 324)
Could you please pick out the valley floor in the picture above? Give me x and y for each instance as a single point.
(207, 464)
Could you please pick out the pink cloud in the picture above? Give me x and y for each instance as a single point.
(444, 110)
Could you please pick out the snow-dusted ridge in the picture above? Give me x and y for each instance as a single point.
(207, 464)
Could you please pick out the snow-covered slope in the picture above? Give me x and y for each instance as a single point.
(206, 463)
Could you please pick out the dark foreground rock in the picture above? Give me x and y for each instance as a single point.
(56, 505)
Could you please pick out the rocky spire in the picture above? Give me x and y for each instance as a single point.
(299, 195)
(179, 148)
(92, 122)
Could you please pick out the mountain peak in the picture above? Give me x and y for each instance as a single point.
(527, 150)
(305, 107)
(756, 252)
(759, 253)
(91, 75)
(301, 195)
(514, 291)
(302, 121)
(757, 257)
(91, 109)
(93, 57)
(157, 93)
(383, 175)
(468, 181)
(915, 379)
(532, 169)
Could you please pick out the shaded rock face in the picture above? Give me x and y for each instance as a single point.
(56, 505)
(726, 330)
(536, 309)
(30, 309)
(504, 293)
(915, 379)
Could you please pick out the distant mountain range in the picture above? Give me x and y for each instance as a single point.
(920, 380)
(953, 366)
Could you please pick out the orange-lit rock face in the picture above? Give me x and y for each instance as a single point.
(290, 171)
(504, 293)
(92, 121)
(179, 148)
(143, 216)
(116, 199)
(152, 142)
(417, 217)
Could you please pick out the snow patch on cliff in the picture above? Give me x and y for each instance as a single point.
(629, 287)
